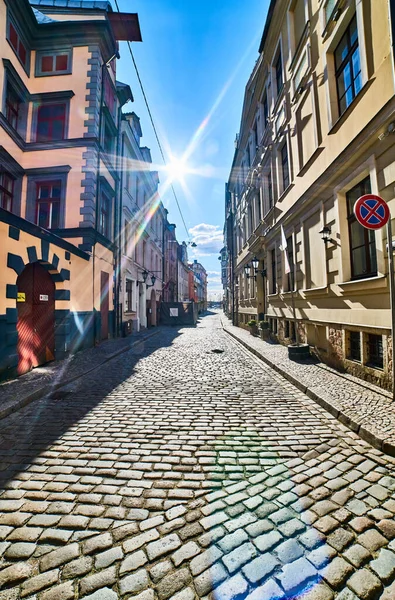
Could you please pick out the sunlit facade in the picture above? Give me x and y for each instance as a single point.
(59, 180)
(317, 132)
(143, 218)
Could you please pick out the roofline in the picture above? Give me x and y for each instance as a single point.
(267, 24)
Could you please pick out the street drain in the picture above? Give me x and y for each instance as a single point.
(217, 351)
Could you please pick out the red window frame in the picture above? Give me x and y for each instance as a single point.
(50, 201)
(51, 119)
(17, 44)
(6, 191)
(54, 63)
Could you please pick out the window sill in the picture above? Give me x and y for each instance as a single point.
(285, 193)
(366, 285)
(318, 291)
(339, 122)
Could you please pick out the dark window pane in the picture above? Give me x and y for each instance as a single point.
(43, 214)
(22, 52)
(14, 37)
(57, 130)
(348, 67)
(375, 348)
(58, 110)
(56, 191)
(62, 62)
(43, 131)
(47, 64)
(43, 191)
(54, 224)
(359, 261)
(355, 345)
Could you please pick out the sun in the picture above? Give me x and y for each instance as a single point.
(176, 169)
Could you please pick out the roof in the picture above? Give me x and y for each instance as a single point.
(84, 4)
(41, 18)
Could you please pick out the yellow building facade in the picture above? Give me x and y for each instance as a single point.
(58, 177)
(318, 132)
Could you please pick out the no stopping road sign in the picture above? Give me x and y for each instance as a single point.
(371, 211)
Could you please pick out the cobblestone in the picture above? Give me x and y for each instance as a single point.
(214, 484)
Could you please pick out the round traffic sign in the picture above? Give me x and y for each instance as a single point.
(371, 211)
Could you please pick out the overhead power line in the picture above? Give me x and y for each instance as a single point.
(153, 126)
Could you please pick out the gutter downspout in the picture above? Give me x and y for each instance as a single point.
(117, 229)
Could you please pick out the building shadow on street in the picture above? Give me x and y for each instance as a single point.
(26, 434)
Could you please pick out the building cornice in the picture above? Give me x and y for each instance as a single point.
(44, 234)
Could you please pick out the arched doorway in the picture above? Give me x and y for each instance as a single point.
(36, 317)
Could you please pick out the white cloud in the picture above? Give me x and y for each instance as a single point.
(208, 238)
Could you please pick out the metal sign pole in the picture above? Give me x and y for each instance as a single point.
(392, 297)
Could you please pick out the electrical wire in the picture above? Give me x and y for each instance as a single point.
(153, 126)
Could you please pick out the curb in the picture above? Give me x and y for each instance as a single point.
(43, 391)
(367, 435)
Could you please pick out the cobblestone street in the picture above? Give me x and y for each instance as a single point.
(186, 468)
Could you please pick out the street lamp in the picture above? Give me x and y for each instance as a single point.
(326, 234)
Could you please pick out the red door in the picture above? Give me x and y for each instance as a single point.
(104, 304)
(36, 317)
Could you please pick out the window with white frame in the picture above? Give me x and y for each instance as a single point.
(130, 290)
(284, 167)
(348, 67)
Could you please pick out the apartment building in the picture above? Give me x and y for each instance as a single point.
(142, 227)
(317, 132)
(59, 122)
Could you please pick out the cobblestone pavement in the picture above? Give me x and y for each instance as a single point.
(362, 404)
(176, 472)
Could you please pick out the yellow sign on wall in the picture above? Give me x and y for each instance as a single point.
(21, 297)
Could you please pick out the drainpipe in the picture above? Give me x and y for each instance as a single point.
(97, 196)
(118, 229)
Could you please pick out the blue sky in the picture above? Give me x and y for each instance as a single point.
(194, 61)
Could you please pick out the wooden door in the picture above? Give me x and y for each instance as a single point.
(36, 317)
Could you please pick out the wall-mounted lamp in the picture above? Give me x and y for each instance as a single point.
(326, 234)
(144, 275)
(247, 270)
(153, 279)
(255, 264)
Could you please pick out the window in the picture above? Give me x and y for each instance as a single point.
(328, 10)
(273, 281)
(362, 241)
(270, 189)
(265, 111)
(286, 329)
(19, 47)
(129, 287)
(348, 67)
(12, 107)
(375, 351)
(53, 63)
(279, 74)
(108, 137)
(51, 122)
(354, 345)
(48, 204)
(284, 166)
(290, 251)
(6, 191)
(105, 215)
